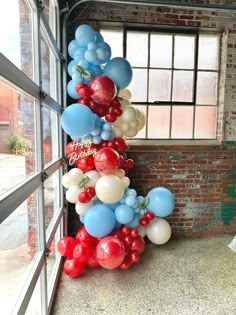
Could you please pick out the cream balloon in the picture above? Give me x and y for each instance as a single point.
(73, 177)
(119, 173)
(93, 177)
(72, 193)
(117, 132)
(129, 114)
(132, 132)
(124, 102)
(126, 181)
(109, 188)
(141, 231)
(81, 208)
(158, 231)
(125, 93)
(141, 121)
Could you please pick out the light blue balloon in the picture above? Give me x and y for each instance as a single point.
(98, 37)
(70, 66)
(99, 221)
(79, 53)
(77, 77)
(124, 214)
(161, 201)
(130, 201)
(81, 218)
(105, 135)
(135, 222)
(90, 55)
(95, 70)
(107, 49)
(131, 192)
(71, 90)
(77, 120)
(85, 34)
(83, 63)
(92, 46)
(72, 47)
(120, 71)
(97, 139)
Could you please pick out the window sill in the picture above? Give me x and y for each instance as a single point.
(164, 142)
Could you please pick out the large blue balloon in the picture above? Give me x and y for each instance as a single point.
(77, 120)
(161, 201)
(85, 34)
(120, 71)
(99, 221)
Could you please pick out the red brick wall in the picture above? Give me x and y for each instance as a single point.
(202, 178)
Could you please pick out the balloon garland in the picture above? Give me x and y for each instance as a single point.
(114, 218)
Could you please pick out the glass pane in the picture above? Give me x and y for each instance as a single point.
(18, 246)
(17, 137)
(35, 304)
(161, 51)
(50, 135)
(16, 34)
(184, 52)
(114, 38)
(49, 69)
(159, 122)
(141, 110)
(207, 83)
(50, 14)
(137, 49)
(53, 258)
(208, 52)
(205, 122)
(138, 85)
(182, 122)
(159, 85)
(183, 86)
(51, 196)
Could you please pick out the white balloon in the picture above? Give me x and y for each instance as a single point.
(126, 181)
(141, 231)
(66, 181)
(81, 208)
(93, 177)
(158, 231)
(119, 172)
(76, 174)
(141, 121)
(129, 114)
(134, 123)
(109, 188)
(73, 193)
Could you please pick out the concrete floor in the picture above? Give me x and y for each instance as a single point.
(183, 276)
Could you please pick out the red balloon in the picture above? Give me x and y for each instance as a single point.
(103, 89)
(110, 252)
(72, 267)
(126, 264)
(138, 244)
(144, 221)
(92, 262)
(134, 233)
(83, 90)
(125, 230)
(82, 251)
(66, 246)
(110, 117)
(85, 163)
(121, 145)
(149, 215)
(83, 236)
(107, 160)
(134, 256)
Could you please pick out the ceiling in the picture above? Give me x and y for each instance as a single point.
(68, 5)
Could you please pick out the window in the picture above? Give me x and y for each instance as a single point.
(32, 215)
(175, 82)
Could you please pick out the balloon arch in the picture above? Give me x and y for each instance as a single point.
(114, 218)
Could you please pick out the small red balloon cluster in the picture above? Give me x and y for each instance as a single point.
(121, 249)
(148, 216)
(100, 97)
